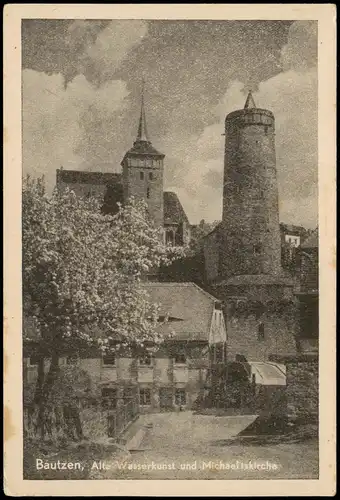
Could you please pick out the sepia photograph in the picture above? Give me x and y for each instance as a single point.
(170, 249)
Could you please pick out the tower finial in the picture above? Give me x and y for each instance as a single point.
(142, 134)
(250, 103)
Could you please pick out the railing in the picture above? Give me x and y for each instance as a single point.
(120, 418)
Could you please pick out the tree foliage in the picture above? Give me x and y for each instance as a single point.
(83, 271)
(83, 274)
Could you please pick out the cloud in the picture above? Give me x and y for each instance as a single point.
(91, 48)
(301, 50)
(113, 44)
(73, 114)
(197, 74)
(292, 96)
(52, 119)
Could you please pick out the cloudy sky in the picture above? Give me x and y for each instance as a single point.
(81, 99)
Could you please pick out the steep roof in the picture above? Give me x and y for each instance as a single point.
(142, 133)
(268, 373)
(87, 177)
(312, 241)
(250, 103)
(142, 144)
(143, 148)
(173, 210)
(189, 309)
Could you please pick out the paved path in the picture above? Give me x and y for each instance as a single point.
(187, 446)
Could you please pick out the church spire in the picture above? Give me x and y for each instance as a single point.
(250, 103)
(142, 134)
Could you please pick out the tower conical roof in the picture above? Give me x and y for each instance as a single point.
(142, 133)
(250, 103)
(142, 145)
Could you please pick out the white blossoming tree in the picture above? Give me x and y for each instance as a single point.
(83, 274)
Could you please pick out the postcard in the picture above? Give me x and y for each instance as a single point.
(169, 249)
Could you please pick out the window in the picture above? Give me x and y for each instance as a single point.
(148, 193)
(141, 176)
(144, 397)
(33, 360)
(145, 360)
(109, 359)
(180, 358)
(180, 397)
(150, 176)
(109, 398)
(262, 194)
(260, 332)
(129, 393)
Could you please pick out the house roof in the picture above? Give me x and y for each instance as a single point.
(189, 309)
(87, 177)
(173, 210)
(291, 228)
(268, 373)
(312, 241)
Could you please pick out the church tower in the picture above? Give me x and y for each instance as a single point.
(143, 171)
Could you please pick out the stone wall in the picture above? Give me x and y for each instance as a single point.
(260, 319)
(302, 375)
(243, 336)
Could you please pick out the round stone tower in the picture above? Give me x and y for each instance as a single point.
(258, 299)
(250, 233)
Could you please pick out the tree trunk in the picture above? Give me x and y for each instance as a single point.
(40, 381)
(44, 416)
(56, 418)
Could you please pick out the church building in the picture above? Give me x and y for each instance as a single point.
(141, 177)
